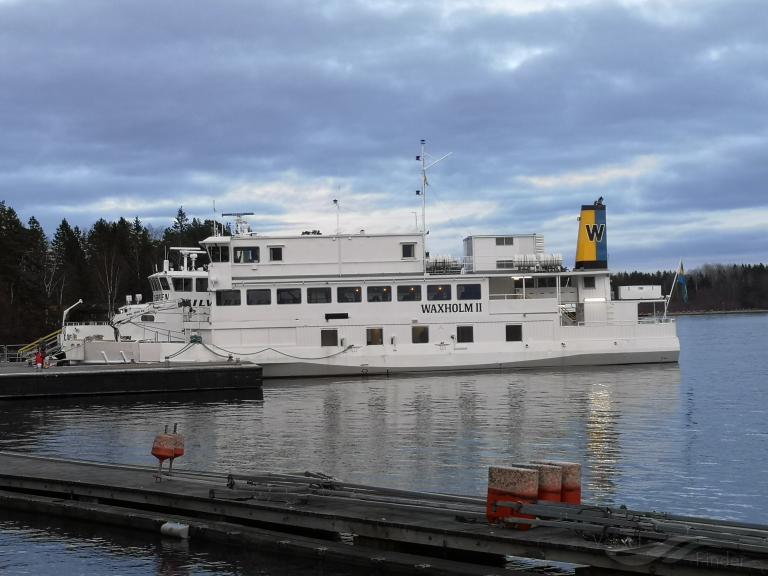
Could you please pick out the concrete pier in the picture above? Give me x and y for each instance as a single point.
(427, 533)
(21, 381)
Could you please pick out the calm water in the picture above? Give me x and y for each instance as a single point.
(688, 439)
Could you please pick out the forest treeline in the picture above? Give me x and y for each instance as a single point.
(41, 276)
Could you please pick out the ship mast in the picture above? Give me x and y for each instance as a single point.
(424, 183)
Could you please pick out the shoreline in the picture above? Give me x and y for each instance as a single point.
(716, 312)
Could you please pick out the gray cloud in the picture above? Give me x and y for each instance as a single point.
(150, 105)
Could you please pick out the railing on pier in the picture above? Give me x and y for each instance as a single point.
(10, 352)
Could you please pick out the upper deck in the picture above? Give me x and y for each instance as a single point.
(252, 256)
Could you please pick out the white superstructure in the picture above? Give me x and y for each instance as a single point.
(369, 303)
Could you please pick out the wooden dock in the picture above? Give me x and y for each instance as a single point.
(393, 530)
(19, 381)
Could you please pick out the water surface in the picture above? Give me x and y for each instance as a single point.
(688, 438)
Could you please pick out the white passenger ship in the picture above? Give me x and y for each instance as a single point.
(374, 304)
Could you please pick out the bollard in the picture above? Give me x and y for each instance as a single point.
(570, 492)
(510, 485)
(550, 482)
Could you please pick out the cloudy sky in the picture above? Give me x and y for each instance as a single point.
(131, 108)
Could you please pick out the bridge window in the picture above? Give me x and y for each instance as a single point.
(589, 281)
(258, 297)
(227, 297)
(182, 284)
(379, 294)
(164, 283)
(438, 292)
(246, 255)
(409, 250)
(218, 253)
(349, 294)
(505, 241)
(409, 293)
(289, 295)
(514, 333)
(201, 284)
(147, 318)
(329, 337)
(374, 336)
(464, 334)
(420, 334)
(319, 295)
(275, 253)
(468, 291)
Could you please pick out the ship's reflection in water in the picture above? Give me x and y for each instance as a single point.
(435, 432)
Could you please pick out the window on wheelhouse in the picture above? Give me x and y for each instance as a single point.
(379, 294)
(218, 253)
(329, 337)
(227, 297)
(409, 293)
(438, 292)
(349, 294)
(246, 255)
(505, 241)
(289, 295)
(374, 336)
(147, 318)
(258, 297)
(201, 284)
(514, 333)
(409, 250)
(275, 253)
(182, 284)
(164, 283)
(320, 295)
(468, 292)
(420, 334)
(589, 281)
(465, 334)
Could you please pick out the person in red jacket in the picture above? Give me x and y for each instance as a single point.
(39, 360)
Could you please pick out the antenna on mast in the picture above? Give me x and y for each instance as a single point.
(423, 192)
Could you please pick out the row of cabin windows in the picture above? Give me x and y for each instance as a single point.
(252, 254)
(347, 294)
(180, 284)
(244, 254)
(419, 335)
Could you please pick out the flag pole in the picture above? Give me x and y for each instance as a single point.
(672, 290)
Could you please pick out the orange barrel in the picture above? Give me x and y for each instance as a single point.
(164, 446)
(570, 492)
(550, 482)
(510, 485)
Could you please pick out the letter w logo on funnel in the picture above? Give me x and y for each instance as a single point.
(595, 232)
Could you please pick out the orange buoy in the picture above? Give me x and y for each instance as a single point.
(168, 447)
(509, 485)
